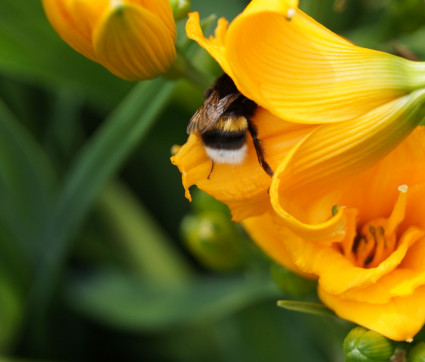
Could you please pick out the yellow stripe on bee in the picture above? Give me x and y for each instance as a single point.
(232, 124)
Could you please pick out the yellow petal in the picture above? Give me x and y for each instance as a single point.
(301, 71)
(336, 272)
(74, 21)
(399, 319)
(160, 8)
(402, 281)
(376, 189)
(215, 45)
(314, 176)
(244, 188)
(133, 43)
(264, 232)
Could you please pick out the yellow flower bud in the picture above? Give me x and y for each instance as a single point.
(133, 39)
(362, 345)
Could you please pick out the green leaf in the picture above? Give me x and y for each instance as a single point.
(26, 181)
(133, 304)
(415, 42)
(305, 307)
(7, 359)
(30, 49)
(146, 245)
(96, 164)
(11, 310)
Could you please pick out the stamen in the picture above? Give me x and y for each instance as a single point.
(397, 216)
(365, 250)
(349, 244)
(380, 247)
(376, 240)
(290, 14)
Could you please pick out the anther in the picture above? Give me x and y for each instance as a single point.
(290, 14)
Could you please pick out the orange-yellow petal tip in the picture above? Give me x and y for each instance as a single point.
(215, 45)
(131, 39)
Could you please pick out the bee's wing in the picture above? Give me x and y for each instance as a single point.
(210, 112)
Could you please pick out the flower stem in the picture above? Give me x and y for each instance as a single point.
(183, 68)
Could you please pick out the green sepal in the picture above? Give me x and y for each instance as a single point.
(362, 345)
(305, 307)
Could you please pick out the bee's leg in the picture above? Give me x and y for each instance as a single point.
(212, 168)
(259, 149)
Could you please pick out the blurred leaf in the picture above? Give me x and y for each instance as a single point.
(305, 307)
(149, 249)
(133, 304)
(337, 15)
(97, 162)
(228, 9)
(291, 283)
(401, 10)
(7, 359)
(11, 310)
(30, 49)
(415, 42)
(64, 132)
(26, 181)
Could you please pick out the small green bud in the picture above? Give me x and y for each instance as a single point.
(180, 8)
(202, 202)
(417, 353)
(213, 239)
(362, 345)
(290, 283)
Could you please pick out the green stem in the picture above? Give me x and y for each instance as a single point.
(183, 68)
(97, 162)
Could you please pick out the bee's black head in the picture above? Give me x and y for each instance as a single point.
(224, 85)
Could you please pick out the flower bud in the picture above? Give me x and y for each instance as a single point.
(133, 41)
(212, 238)
(202, 202)
(362, 345)
(291, 283)
(180, 8)
(417, 353)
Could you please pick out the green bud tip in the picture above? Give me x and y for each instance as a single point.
(362, 345)
(212, 238)
(180, 9)
(417, 353)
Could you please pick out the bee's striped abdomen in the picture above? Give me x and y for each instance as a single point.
(224, 145)
(224, 140)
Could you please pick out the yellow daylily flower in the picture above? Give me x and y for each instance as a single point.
(344, 203)
(374, 274)
(308, 183)
(361, 138)
(243, 188)
(133, 39)
(300, 71)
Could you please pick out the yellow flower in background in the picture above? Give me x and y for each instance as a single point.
(343, 205)
(133, 39)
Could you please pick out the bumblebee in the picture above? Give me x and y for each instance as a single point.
(223, 121)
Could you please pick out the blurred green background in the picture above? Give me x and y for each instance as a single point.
(101, 256)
